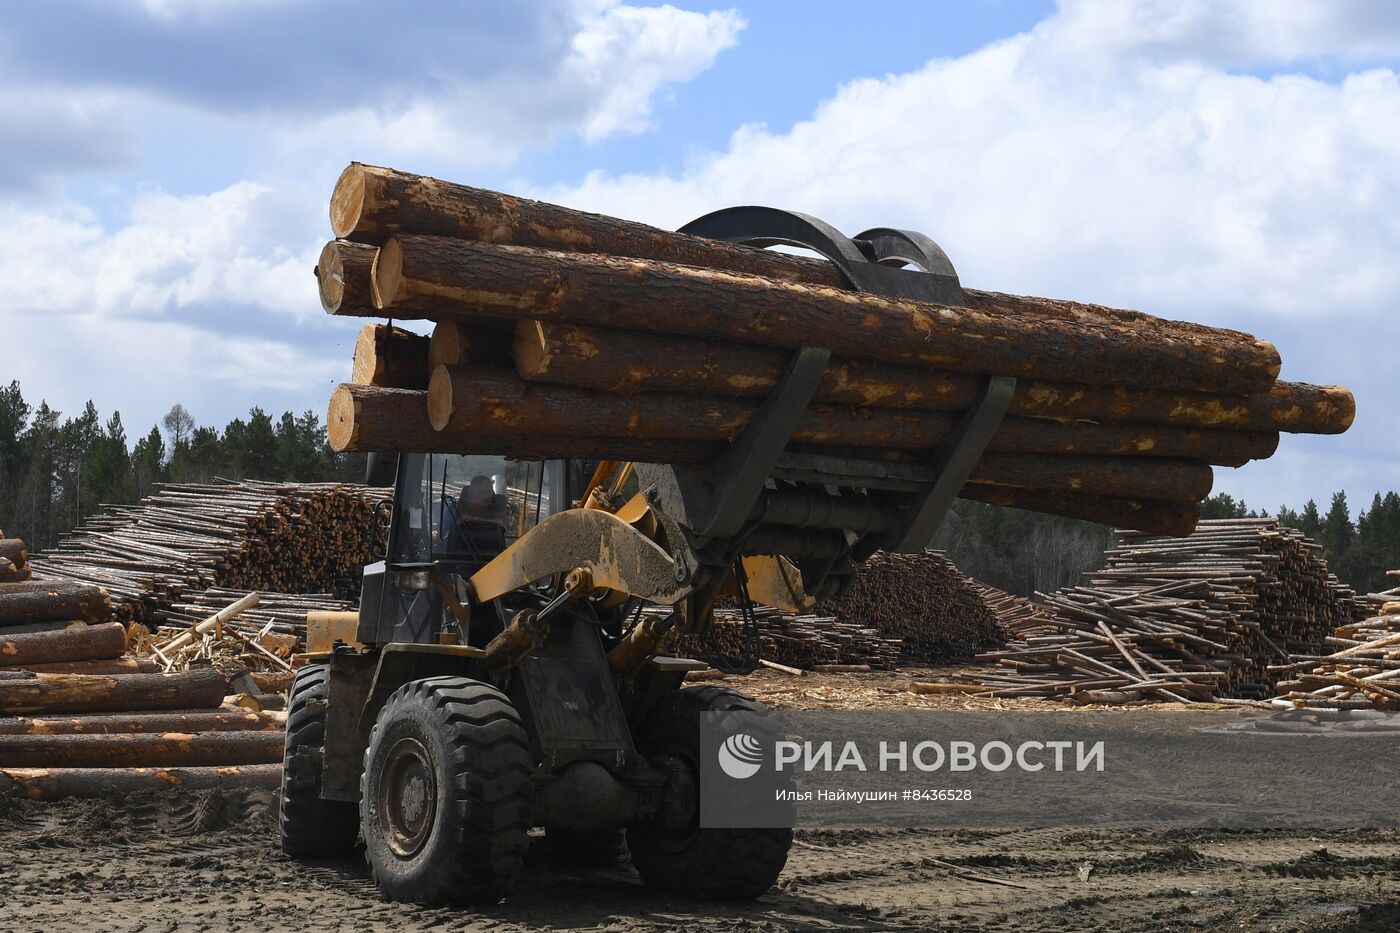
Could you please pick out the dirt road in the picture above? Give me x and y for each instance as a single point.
(209, 863)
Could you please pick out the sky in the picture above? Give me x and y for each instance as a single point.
(165, 169)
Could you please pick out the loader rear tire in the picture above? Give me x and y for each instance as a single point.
(308, 826)
(708, 863)
(446, 794)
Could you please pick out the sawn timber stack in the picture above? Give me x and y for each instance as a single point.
(566, 334)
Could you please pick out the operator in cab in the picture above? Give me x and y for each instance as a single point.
(481, 518)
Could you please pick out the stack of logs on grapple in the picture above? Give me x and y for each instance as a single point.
(565, 334)
(251, 535)
(79, 716)
(1208, 616)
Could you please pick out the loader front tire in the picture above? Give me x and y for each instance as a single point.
(308, 826)
(446, 794)
(715, 864)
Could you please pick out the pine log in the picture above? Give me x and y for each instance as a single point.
(141, 749)
(627, 362)
(15, 551)
(42, 627)
(9, 573)
(108, 666)
(371, 204)
(391, 357)
(197, 688)
(224, 719)
(46, 601)
(1150, 516)
(91, 642)
(466, 402)
(452, 279)
(58, 783)
(455, 342)
(343, 277)
(366, 418)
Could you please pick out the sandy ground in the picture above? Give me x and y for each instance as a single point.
(209, 862)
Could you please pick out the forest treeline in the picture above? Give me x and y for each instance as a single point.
(54, 470)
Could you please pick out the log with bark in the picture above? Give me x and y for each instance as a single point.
(91, 642)
(224, 719)
(58, 783)
(466, 402)
(9, 573)
(390, 356)
(141, 749)
(343, 277)
(439, 278)
(46, 601)
(87, 693)
(107, 666)
(626, 363)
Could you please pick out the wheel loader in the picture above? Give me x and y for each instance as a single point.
(500, 676)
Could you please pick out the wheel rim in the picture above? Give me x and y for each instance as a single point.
(678, 823)
(407, 797)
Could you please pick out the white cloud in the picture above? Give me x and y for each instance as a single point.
(619, 59)
(175, 252)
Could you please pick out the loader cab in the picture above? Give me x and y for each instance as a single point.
(451, 514)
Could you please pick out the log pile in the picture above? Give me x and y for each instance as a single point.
(80, 714)
(804, 641)
(185, 538)
(1017, 614)
(937, 613)
(1362, 673)
(565, 334)
(1195, 619)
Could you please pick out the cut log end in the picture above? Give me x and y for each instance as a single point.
(530, 350)
(330, 278)
(386, 277)
(348, 200)
(440, 400)
(448, 345)
(340, 420)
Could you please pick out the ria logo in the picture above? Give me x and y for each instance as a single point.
(740, 756)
